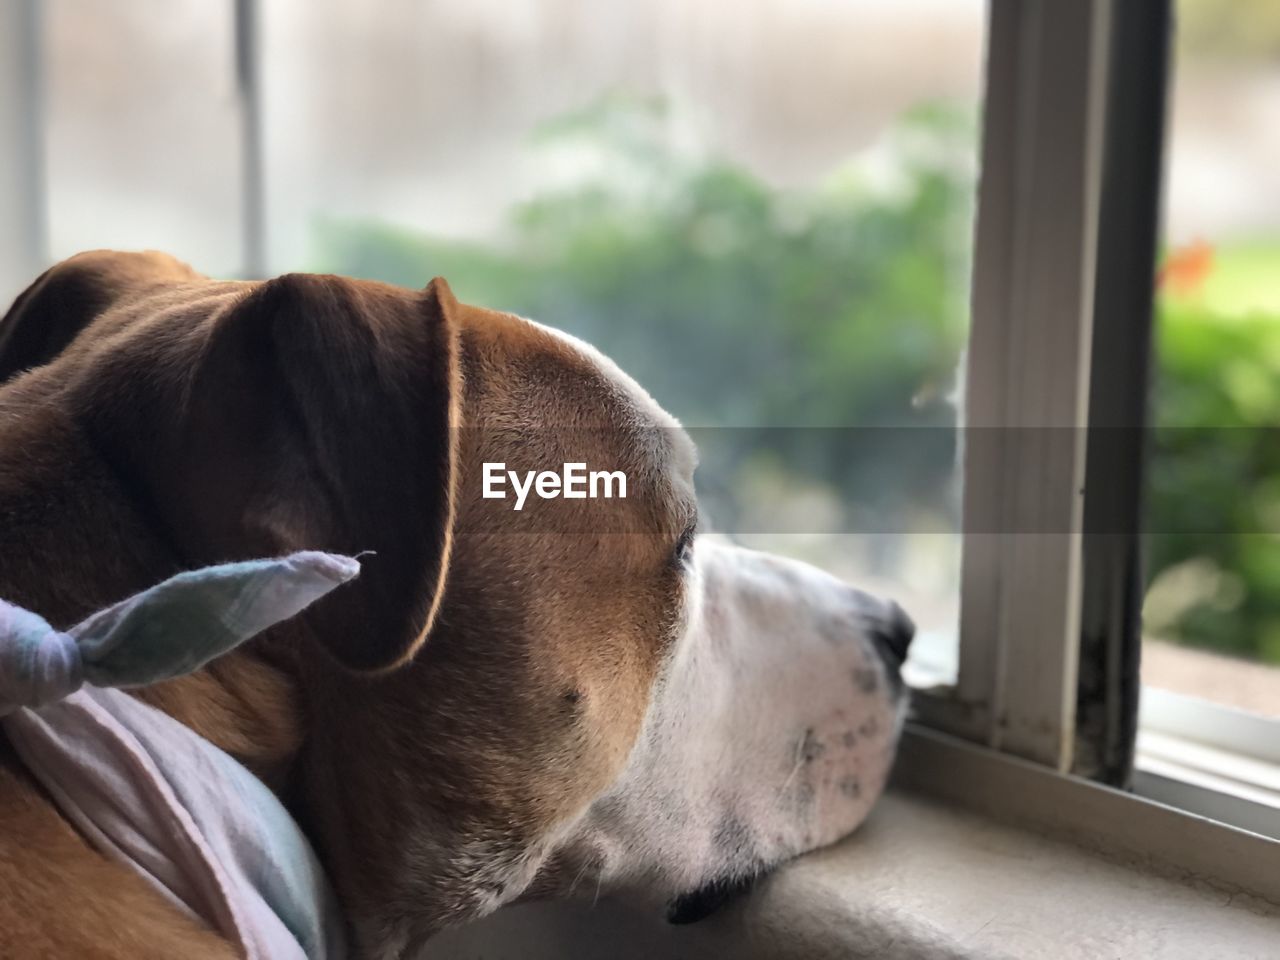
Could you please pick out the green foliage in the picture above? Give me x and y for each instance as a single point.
(823, 307)
(1214, 492)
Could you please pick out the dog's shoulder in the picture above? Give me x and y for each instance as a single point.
(60, 898)
(67, 297)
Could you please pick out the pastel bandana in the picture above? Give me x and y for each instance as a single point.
(145, 789)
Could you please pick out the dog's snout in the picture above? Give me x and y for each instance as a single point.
(894, 634)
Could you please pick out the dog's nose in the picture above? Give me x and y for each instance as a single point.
(893, 634)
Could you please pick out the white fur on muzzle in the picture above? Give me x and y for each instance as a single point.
(771, 732)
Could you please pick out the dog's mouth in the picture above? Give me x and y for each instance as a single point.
(707, 899)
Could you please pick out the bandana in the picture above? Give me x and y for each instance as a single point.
(147, 791)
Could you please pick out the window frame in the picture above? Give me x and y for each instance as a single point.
(1108, 691)
(1027, 388)
(1067, 234)
(24, 234)
(1209, 759)
(247, 28)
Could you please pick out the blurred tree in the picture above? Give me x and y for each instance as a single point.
(1214, 492)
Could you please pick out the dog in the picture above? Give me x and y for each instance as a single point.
(586, 696)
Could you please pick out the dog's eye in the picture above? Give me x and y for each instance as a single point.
(684, 546)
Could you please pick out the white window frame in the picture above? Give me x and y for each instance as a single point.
(1210, 759)
(1002, 738)
(1027, 384)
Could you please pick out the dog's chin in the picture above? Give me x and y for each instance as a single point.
(708, 899)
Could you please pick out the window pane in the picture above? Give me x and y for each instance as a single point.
(1212, 611)
(142, 135)
(761, 210)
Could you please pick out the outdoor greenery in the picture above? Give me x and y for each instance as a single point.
(1214, 492)
(739, 305)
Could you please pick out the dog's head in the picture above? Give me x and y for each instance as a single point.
(574, 697)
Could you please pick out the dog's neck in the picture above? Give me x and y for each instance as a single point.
(245, 703)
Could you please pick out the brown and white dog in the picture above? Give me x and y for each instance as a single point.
(506, 704)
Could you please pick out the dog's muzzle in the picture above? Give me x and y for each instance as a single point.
(771, 733)
(891, 631)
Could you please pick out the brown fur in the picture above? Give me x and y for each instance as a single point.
(171, 421)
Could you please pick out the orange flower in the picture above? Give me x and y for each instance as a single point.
(1186, 269)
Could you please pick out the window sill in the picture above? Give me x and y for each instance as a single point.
(921, 879)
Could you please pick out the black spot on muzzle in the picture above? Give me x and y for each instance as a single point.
(703, 902)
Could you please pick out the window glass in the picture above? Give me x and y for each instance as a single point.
(1212, 609)
(760, 209)
(141, 127)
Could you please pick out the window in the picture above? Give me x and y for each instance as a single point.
(1211, 613)
(1215, 557)
(142, 134)
(765, 212)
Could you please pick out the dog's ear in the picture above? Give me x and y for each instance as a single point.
(312, 413)
(47, 316)
(66, 298)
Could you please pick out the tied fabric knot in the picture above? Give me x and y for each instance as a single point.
(166, 631)
(38, 665)
(147, 791)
